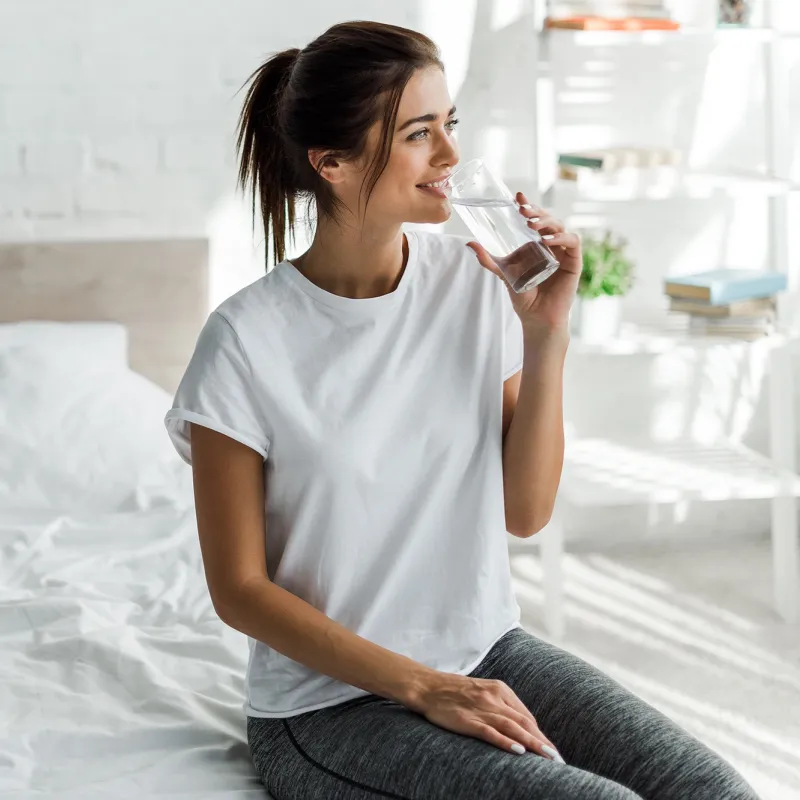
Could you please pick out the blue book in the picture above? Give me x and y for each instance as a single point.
(720, 286)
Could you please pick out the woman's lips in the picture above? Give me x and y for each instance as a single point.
(440, 191)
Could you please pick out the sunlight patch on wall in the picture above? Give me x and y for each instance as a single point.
(494, 146)
(605, 65)
(592, 98)
(236, 251)
(723, 107)
(710, 395)
(453, 33)
(507, 12)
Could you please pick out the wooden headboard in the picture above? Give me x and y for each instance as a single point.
(158, 289)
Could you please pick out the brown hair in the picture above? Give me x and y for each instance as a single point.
(327, 97)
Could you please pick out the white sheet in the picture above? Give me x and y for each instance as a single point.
(117, 680)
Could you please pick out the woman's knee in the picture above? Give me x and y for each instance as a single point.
(704, 775)
(564, 782)
(681, 766)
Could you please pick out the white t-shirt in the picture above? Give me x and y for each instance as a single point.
(380, 422)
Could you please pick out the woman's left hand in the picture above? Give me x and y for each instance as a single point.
(546, 306)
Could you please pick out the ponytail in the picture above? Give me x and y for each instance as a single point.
(326, 97)
(263, 158)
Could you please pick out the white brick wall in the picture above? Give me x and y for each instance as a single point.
(119, 119)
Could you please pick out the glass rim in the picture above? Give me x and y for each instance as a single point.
(466, 172)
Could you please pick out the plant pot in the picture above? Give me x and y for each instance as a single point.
(734, 12)
(599, 319)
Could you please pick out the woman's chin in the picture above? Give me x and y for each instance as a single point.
(433, 216)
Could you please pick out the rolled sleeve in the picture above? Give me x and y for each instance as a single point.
(216, 391)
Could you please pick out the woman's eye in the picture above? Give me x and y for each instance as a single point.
(420, 134)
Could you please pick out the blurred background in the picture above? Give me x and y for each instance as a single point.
(667, 133)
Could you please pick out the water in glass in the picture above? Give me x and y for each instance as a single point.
(524, 266)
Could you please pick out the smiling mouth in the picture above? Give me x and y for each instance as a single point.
(440, 185)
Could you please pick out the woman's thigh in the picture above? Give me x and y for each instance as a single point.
(372, 747)
(599, 726)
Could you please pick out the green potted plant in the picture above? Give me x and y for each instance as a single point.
(606, 277)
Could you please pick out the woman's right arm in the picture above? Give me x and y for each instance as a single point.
(229, 499)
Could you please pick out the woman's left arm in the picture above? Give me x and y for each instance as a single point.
(533, 446)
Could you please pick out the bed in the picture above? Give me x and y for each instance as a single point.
(117, 679)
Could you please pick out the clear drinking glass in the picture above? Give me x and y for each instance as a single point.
(492, 215)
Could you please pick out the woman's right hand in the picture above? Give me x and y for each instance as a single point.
(484, 709)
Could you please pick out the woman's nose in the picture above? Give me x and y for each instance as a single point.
(448, 152)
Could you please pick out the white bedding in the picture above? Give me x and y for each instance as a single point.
(117, 679)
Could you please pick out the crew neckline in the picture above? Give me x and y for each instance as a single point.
(357, 304)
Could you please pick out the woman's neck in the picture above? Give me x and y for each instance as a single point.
(355, 262)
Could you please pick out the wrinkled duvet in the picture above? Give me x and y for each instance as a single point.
(117, 679)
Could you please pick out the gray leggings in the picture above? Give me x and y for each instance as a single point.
(616, 746)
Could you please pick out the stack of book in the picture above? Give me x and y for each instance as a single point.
(614, 159)
(727, 302)
(610, 15)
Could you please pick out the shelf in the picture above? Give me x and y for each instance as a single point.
(601, 472)
(623, 38)
(664, 183)
(742, 34)
(641, 340)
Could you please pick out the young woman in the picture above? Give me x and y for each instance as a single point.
(365, 423)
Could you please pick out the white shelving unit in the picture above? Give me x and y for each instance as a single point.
(601, 473)
(670, 183)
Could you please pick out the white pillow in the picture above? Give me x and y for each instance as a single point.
(105, 342)
(82, 435)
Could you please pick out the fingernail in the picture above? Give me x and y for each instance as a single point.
(518, 748)
(553, 753)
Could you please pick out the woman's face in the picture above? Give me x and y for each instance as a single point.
(423, 150)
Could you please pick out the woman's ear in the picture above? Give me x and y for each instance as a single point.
(326, 165)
